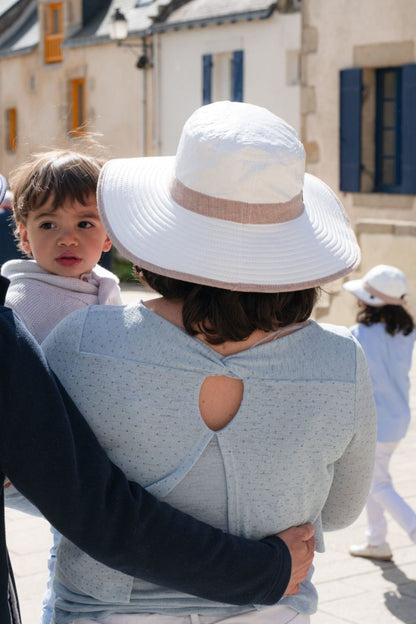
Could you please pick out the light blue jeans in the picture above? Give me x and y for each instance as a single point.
(15, 500)
(278, 614)
(48, 600)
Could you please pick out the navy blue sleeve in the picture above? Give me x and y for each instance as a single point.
(4, 284)
(51, 455)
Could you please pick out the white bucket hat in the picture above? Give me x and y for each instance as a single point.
(234, 209)
(382, 285)
(3, 187)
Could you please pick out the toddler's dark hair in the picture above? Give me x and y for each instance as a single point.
(396, 318)
(62, 174)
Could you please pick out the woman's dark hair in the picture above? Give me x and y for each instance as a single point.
(222, 315)
(395, 317)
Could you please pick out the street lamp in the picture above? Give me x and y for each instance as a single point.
(119, 31)
(118, 27)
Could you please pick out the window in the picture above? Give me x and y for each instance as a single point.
(377, 130)
(388, 122)
(53, 32)
(11, 129)
(78, 109)
(223, 76)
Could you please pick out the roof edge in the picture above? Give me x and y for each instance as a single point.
(9, 53)
(160, 27)
(75, 42)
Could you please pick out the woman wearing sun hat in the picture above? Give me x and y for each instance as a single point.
(385, 331)
(252, 416)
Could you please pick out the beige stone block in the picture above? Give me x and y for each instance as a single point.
(384, 54)
(309, 39)
(304, 69)
(303, 128)
(307, 100)
(380, 226)
(312, 151)
(382, 200)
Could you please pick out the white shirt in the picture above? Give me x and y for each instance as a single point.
(389, 360)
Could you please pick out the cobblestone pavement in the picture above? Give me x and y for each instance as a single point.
(351, 590)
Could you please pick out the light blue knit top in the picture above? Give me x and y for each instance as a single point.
(300, 448)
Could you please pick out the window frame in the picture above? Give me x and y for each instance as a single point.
(380, 127)
(236, 76)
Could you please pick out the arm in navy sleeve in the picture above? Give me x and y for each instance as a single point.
(51, 455)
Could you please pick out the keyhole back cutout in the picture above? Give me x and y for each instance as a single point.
(220, 398)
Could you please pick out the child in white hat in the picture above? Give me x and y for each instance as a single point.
(385, 330)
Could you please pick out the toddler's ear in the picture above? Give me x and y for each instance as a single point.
(24, 239)
(107, 244)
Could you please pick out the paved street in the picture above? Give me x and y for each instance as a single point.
(352, 590)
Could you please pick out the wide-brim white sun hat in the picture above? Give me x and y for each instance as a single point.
(382, 285)
(234, 209)
(3, 187)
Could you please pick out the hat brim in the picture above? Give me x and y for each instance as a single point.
(3, 187)
(157, 234)
(356, 288)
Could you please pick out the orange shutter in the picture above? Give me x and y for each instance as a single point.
(11, 129)
(79, 117)
(53, 32)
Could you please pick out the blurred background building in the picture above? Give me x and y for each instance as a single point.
(359, 125)
(62, 74)
(130, 72)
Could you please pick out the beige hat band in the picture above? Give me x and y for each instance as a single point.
(237, 211)
(385, 298)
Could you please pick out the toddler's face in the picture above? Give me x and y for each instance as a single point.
(67, 241)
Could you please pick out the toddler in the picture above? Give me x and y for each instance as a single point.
(57, 224)
(55, 210)
(385, 331)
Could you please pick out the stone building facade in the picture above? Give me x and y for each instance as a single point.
(358, 119)
(63, 77)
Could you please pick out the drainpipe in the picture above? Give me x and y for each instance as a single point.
(145, 63)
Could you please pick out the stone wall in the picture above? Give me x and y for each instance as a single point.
(340, 35)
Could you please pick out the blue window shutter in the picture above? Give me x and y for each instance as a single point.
(238, 71)
(350, 130)
(206, 78)
(408, 134)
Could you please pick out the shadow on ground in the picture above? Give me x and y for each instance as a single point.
(400, 602)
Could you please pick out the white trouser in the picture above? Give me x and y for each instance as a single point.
(271, 615)
(383, 497)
